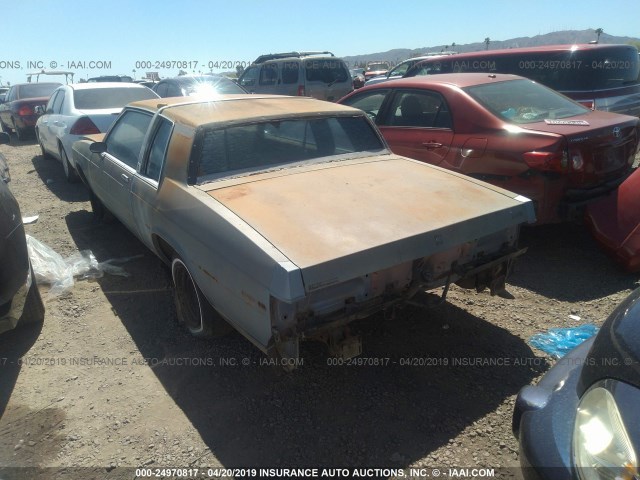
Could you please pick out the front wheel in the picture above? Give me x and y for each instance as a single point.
(194, 310)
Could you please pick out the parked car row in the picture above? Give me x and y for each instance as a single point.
(288, 217)
(508, 131)
(76, 110)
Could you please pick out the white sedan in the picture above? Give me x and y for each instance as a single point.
(76, 110)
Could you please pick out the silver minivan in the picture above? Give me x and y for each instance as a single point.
(321, 75)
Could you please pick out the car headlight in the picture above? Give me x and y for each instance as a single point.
(601, 445)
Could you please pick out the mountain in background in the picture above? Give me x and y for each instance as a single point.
(554, 38)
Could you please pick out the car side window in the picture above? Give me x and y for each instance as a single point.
(250, 77)
(57, 105)
(12, 95)
(125, 138)
(51, 101)
(161, 89)
(418, 108)
(369, 102)
(158, 150)
(173, 90)
(269, 74)
(400, 69)
(290, 72)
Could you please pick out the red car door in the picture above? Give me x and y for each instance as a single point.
(418, 124)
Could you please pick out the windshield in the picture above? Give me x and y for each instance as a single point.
(524, 101)
(277, 142)
(377, 66)
(99, 98)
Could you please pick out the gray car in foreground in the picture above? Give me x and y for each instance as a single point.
(288, 217)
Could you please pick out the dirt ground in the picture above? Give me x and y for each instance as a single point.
(110, 381)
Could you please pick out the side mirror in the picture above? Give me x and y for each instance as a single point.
(4, 138)
(98, 147)
(39, 110)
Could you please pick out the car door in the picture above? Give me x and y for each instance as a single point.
(114, 169)
(145, 185)
(417, 124)
(55, 123)
(43, 122)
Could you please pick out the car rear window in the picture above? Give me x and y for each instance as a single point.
(277, 142)
(524, 101)
(327, 71)
(94, 99)
(37, 90)
(218, 85)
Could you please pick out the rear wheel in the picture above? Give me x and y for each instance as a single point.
(20, 132)
(193, 309)
(100, 212)
(69, 172)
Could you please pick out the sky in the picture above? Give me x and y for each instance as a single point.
(131, 37)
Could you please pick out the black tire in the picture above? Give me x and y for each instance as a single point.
(45, 154)
(69, 172)
(194, 310)
(34, 308)
(100, 212)
(21, 133)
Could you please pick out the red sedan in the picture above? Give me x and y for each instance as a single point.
(18, 111)
(508, 131)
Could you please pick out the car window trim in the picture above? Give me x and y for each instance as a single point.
(153, 132)
(108, 135)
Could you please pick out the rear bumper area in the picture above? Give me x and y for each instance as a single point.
(573, 204)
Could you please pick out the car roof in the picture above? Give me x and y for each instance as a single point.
(99, 85)
(194, 111)
(456, 79)
(524, 50)
(35, 83)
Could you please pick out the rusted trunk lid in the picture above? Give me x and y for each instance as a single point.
(343, 219)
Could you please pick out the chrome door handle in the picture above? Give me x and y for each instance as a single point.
(124, 177)
(430, 145)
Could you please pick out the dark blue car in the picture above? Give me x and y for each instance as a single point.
(582, 421)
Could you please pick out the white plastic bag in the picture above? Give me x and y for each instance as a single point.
(50, 268)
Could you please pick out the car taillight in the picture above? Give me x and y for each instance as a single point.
(301, 90)
(84, 126)
(548, 161)
(588, 103)
(577, 163)
(24, 111)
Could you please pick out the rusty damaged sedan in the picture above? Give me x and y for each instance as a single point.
(508, 131)
(288, 217)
